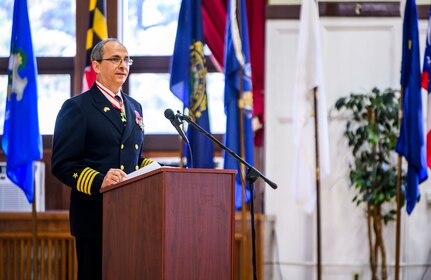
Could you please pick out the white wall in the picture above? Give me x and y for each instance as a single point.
(358, 54)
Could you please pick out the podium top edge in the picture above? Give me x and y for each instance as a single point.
(170, 170)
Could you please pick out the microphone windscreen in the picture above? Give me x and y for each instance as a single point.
(169, 114)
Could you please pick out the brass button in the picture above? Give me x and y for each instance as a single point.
(122, 167)
(136, 167)
(136, 146)
(122, 146)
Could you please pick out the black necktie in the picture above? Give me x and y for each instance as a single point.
(119, 98)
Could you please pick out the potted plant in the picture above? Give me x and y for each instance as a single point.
(372, 132)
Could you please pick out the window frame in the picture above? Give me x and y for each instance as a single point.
(74, 66)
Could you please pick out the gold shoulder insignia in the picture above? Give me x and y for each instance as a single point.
(146, 162)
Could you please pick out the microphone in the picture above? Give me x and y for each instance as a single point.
(252, 175)
(175, 121)
(182, 117)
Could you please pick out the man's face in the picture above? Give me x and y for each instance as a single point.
(109, 73)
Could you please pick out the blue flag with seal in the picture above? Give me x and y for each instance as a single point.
(238, 99)
(411, 142)
(188, 81)
(21, 142)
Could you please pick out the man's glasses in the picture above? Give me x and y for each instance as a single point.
(119, 60)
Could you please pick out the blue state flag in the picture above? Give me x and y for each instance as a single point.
(238, 99)
(188, 81)
(411, 142)
(426, 84)
(21, 142)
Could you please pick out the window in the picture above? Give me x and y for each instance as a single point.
(152, 91)
(52, 27)
(53, 35)
(149, 30)
(3, 92)
(150, 26)
(53, 90)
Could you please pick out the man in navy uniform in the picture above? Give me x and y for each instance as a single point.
(98, 139)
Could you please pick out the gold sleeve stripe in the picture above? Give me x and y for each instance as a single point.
(88, 180)
(85, 180)
(78, 184)
(91, 181)
(146, 162)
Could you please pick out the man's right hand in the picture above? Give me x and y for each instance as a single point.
(114, 176)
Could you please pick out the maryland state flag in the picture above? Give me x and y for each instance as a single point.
(21, 142)
(188, 80)
(97, 31)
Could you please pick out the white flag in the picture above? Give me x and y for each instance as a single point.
(309, 75)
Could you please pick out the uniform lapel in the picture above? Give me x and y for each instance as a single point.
(130, 116)
(105, 107)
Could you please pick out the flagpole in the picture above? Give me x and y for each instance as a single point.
(243, 185)
(181, 165)
(34, 229)
(242, 175)
(316, 146)
(243, 205)
(242, 155)
(398, 225)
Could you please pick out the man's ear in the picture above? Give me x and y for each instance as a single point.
(96, 66)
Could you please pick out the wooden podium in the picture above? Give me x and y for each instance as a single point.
(171, 223)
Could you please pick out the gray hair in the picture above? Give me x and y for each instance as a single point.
(97, 52)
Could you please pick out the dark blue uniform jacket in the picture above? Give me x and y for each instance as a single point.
(89, 139)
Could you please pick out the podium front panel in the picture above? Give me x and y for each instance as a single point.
(199, 226)
(132, 230)
(172, 224)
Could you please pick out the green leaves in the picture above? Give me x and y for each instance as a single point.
(372, 133)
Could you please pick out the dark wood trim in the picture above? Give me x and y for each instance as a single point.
(112, 18)
(344, 9)
(282, 11)
(159, 64)
(81, 38)
(168, 142)
(153, 142)
(46, 141)
(423, 11)
(4, 65)
(46, 65)
(49, 221)
(55, 65)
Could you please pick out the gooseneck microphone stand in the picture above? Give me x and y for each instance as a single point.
(252, 175)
